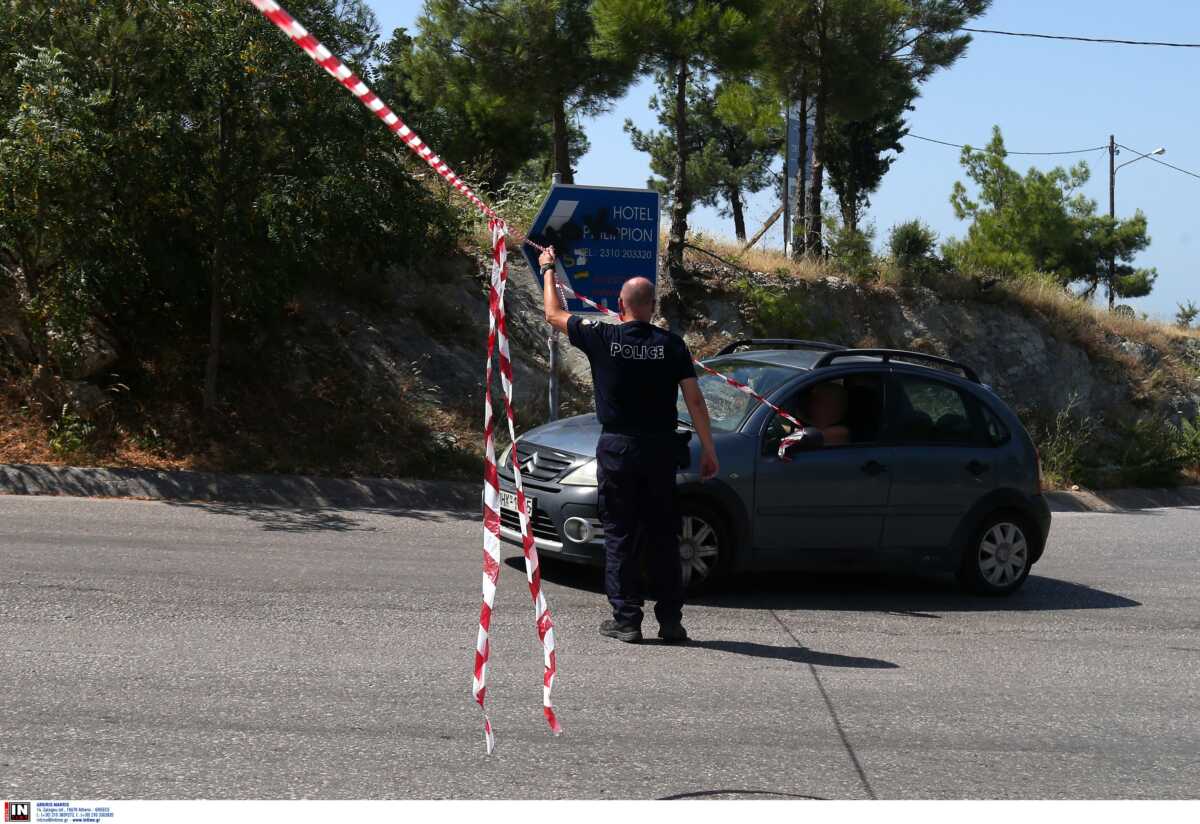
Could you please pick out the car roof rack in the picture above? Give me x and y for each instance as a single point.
(897, 354)
(780, 343)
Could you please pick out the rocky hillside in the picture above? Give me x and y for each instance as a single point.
(388, 381)
(384, 382)
(1112, 399)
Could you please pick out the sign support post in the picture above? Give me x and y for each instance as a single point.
(553, 343)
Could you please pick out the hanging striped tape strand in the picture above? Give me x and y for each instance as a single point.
(497, 341)
(533, 572)
(491, 524)
(342, 74)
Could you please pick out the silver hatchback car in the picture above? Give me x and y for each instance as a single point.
(926, 469)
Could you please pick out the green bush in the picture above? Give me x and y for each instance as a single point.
(912, 247)
(1186, 314)
(70, 435)
(1064, 441)
(911, 242)
(850, 251)
(1077, 448)
(1154, 452)
(790, 314)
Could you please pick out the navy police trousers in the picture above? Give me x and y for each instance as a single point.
(640, 512)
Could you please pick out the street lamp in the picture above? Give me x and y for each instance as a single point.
(1112, 171)
(1159, 151)
(1112, 195)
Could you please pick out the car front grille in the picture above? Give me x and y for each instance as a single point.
(539, 463)
(543, 527)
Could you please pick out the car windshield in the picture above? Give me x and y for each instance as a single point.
(727, 406)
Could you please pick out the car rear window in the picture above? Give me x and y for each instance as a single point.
(930, 411)
(727, 406)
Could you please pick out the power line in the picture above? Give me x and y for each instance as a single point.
(1085, 39)
(1149, 156)
(961, 146)
(1146, 155)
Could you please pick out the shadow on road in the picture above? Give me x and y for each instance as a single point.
(907, 595)
(737, 794)
(290, 519)
(797, 655)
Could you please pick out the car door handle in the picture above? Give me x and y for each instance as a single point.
(978, 467)
(873, 468)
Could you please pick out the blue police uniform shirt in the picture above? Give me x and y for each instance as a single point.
(636, 370)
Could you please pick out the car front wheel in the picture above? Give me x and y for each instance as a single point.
(998, 558)
(703, 545)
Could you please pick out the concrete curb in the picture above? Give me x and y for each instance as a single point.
(271, 490)
(302, 491)
(1123, 500)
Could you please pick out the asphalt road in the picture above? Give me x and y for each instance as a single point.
(154, 650)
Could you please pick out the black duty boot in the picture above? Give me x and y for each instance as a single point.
(622, 632)
(673, 634)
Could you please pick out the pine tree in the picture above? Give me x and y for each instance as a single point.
(511, 71)
(678, 39)
(856, 61)
(735, 130)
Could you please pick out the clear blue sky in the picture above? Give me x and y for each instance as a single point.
(1045, 96)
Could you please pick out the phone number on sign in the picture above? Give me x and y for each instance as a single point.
(627, 254)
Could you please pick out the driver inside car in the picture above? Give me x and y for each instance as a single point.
(823, 407)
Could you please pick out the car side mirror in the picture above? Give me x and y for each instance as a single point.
(807, 439)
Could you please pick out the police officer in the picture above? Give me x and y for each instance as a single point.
(637, 372)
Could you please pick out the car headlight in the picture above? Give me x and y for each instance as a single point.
(582, 476)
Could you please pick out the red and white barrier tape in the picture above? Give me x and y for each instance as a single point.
(338, 70)
(497, 338)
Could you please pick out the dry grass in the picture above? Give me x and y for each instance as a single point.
(1084, 321)
(754, 259)
(1079, 315)
(23, 437)
(26, 436)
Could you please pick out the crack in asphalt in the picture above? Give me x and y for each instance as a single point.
(858, 767)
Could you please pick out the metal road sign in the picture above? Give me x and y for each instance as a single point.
(602, 236)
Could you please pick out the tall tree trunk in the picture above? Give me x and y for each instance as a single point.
(799, 222)
(562, 144)
(680, 197)
(224, 143)
(849, 203)
(739, 219)
(812, 202)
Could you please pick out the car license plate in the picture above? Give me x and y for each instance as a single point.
(508, 500)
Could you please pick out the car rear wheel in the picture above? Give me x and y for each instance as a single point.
(704, 545)
(998, 558)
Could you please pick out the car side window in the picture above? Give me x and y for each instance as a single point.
(996, 433)
(932, 412)
(848, 410)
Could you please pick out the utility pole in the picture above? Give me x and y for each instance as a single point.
(1112, 176)
(1112, 209)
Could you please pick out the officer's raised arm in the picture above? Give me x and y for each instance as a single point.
(698, 409)
(556, 315)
